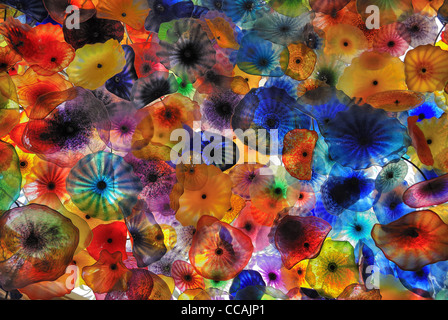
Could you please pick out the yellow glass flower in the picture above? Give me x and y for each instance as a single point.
(130, 12)
(213, 199)
(436, 134)
(333, 269)
(345, 41)
(426, 68)
(95, 63)
(362, 80)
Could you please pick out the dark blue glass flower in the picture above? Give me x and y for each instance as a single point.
(362, 136)
(121, 84)
(244, 279)
(32, 8)
(322, 104)
(165, 11)
(348, 189)
(266, 111)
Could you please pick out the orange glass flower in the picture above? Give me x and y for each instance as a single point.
(368, 75)
(298, 147)
(414, 240)
(218, 250)
(426, 68)
(213, 199)
(185, 276)
(107, 274)
(131, 12)
(344, 40)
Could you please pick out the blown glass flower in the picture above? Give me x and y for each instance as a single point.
(362, 136)
(101, 181)
(95, 63)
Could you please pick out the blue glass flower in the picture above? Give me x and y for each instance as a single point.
(322, 161)
(284, 82)
(121, 84)
(390, 205)
(362, 136)
(416, 281)
(102, 182)
(266, 110)
(322, 104)
(349, 189)
(261, 57)
(243, 12)
(244, 279)
(166, 10)
(355, 227)
(427, 110)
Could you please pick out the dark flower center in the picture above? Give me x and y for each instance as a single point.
(249, 5)
(33, 241)
(188, 278)
(411, 232)
(219, 251)
(358, 228)
(204, 196)
(272, 276)
(390, 44)
(101, 185)
(109, 240)
(248, 226)
(332, 267)
(51, 185)
(152, 177)
(278, 190)
(421, 116)
(99, 65)
(189, 55)
(113, 266)
(375, 82)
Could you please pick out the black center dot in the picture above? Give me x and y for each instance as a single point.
(51, 185)
(219, 251)
(101, 185)
(124, 14)
(113, 266)
(272, 276)
(99, 65)
(109, 240)
(332, 267)
(204, 196)
(375, 82)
